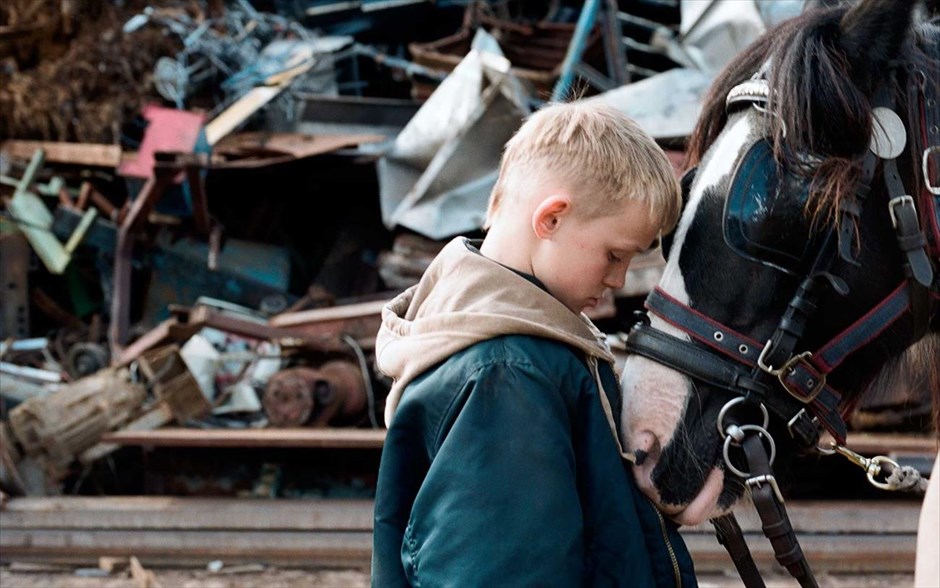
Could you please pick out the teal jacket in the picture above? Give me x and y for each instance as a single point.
(500, 467)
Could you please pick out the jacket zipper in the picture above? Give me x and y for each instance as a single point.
(672, 554)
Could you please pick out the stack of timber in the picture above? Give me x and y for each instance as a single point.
(837, 536)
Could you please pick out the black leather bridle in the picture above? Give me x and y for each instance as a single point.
(757, 373)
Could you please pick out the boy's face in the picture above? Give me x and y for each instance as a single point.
(581, 258)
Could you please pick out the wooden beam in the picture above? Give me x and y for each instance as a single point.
(243, 438)
(837, 536)
(87, 154)
(252, 101)
(864, 443)
(195, 547)
(882, 517)
(361, 321)
(329, 314)
(175, 513)
(892, 443)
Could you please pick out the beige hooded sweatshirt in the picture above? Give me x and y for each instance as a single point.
(464, 298)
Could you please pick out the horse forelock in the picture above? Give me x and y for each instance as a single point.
(820, 110)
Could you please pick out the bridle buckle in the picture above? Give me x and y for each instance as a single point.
(902, 200)
(925, 163)
(814, 385)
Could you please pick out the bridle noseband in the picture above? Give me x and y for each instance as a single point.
(726, 359)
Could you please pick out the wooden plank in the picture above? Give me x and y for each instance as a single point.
(258, 149)
(837, 536)
(153, 547)
(882, 517)
(892, 443)
(252, 101)
(332, 313)
(300, 437)
(240, 111)
(890, 516)
(825, 553)
(865, 443)
(224, 321)
(361, 321)
(831, 553)
(175, 513)
(86, 154)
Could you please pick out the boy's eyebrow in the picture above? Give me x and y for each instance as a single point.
(633, 247)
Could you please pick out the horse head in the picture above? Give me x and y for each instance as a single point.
(797, 269)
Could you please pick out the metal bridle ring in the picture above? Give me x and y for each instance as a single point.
(875, 470)
(729, 440)
(724, 410)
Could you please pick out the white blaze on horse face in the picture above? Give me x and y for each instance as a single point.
(654, 396)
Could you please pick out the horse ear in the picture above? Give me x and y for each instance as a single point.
(871, 35)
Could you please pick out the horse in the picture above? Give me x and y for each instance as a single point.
(806, 260)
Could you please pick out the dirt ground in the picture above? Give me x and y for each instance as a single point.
(354, 578)
(193, 578)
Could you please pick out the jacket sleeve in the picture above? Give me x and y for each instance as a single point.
(500, 504)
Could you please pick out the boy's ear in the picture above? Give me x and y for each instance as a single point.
(547, 216)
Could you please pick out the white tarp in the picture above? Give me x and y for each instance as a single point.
(437, 176)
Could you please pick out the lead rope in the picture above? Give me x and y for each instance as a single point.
(898, 478)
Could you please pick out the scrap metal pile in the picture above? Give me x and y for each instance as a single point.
(206, 204)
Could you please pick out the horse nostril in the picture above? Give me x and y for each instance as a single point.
(646, 445)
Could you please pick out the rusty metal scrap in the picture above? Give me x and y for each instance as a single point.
(84, 95)
(315, 396)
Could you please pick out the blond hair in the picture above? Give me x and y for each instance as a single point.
(596, 152)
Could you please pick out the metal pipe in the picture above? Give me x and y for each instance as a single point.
(575, 49)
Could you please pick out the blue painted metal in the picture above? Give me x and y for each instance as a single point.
(575, 49)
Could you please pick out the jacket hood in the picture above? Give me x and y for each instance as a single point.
(464, 298)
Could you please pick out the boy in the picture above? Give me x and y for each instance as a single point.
(501, 466)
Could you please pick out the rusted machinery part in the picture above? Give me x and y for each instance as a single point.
(346, 380)
(288, 397)
(84, 359)
(300, 396)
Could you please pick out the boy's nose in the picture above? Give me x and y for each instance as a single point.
(615, 279)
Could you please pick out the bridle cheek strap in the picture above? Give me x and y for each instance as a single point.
(773, 514)
(803, 376)
(812, 392)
